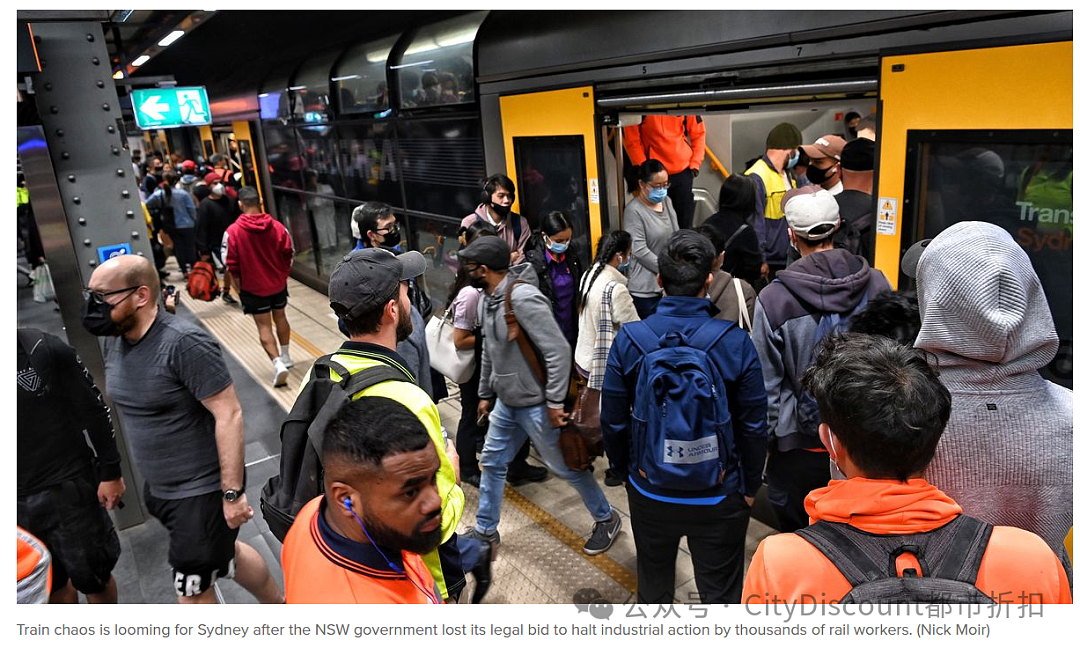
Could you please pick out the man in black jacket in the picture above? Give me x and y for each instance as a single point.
(212, 218)
(68, 468)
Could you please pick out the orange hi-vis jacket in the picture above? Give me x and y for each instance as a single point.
(663, 138)
(33, 568)
(321, 566)
(787, 568)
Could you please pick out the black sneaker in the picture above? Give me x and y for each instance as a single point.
(603, 535)
(490, 538)
(613, 478)
(529, 474)
(482, 572)
(472, 479)
(228, 298)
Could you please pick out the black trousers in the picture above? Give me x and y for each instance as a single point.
(681, 192)
(716, 536)
(791, 476)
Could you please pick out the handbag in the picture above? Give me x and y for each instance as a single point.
(43, 284)
(454, 363)
(582, 440)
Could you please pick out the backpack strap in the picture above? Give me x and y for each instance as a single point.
(961, 560)
(372, 376)
(643, 337)
(515, 332)
(830, 539)
(515, 222)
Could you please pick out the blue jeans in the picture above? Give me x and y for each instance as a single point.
(508, 428)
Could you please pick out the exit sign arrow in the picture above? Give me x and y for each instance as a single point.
(153, 109)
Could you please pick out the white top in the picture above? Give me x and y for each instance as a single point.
(622, 310)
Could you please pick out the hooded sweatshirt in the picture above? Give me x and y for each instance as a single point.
(789, 568)
(258, 252)
(785, 324)
(504, 372)
(1007, 454)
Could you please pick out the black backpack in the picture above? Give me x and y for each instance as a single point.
(300, 474)
(949, 556)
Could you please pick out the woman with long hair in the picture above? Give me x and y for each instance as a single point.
(557, 261)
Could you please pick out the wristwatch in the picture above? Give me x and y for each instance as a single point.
(232, 494)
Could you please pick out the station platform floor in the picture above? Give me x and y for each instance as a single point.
(543, 528)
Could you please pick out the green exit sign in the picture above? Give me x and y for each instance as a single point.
(171, 107)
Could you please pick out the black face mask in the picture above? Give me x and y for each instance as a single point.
(391, 239)
(97, 318)
(502, 210)
(819, 176)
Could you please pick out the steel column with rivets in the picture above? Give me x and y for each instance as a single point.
(98, 200)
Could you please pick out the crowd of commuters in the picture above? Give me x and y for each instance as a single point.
(910, 432)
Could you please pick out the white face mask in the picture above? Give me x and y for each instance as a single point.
(218, 190)
(834, 470)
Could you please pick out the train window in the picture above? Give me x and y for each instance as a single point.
(359, 80)
(317, 150)
(282, 155)
(551, 177)
(442, 164)
(437, 240)
(368, 162)
(436, 66)
(1019, 180)
(274, 101)
(311, 90)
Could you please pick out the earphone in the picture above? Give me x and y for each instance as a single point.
(488, 188)
(397, 569)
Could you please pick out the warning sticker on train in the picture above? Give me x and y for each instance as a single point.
(171, 107)
(886, 216)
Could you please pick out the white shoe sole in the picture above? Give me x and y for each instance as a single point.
(281, 378)
(289, 364)
(611, 543)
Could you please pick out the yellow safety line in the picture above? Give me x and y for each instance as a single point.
(306, 344)
(566, 535)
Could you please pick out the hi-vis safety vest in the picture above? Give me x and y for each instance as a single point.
(774, 187)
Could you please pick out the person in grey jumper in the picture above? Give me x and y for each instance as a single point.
(650, 219)
(825, 282)
(525, 407)
(1007, 453)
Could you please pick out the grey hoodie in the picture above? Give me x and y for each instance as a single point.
(1006, 455)
(785, 324)
(504, 372)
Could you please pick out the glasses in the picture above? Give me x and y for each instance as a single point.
(389, 229)
(659, 186)
(99, 297)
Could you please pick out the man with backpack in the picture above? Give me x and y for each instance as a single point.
(880, 532)
(524, 376)
(369, 291)
(813, 297)
(683, 415)
(258, 251)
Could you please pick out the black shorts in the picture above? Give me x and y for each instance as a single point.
(76, 529)
(202, 547)
(255, 305)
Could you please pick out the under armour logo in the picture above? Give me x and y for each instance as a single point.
(28, 379)
(671, 450)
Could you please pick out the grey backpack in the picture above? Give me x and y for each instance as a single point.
(949, 558)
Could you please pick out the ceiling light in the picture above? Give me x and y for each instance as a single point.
(118, 75)
(139, 61)
(171, 38)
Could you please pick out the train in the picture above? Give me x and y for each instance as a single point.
(973, 112)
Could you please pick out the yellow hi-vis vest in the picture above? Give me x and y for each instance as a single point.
(774, 187)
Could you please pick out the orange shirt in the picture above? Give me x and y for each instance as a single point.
(321, 566)
(663, 138)
(787, 568)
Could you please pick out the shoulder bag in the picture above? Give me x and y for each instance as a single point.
(454, 363)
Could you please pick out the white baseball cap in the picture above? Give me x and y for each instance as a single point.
(811, 212)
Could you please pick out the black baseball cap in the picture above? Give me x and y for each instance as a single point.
(858, 155)
(490, 251)
(368, 278)
(910, 263)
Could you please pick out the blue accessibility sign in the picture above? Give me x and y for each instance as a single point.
(107, 252)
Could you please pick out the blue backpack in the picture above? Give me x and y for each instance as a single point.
(682, 434)
(807, 414)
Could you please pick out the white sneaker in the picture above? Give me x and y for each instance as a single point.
(287, 360)
(281, 373)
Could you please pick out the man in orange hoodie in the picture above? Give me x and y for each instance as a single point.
(883, 410)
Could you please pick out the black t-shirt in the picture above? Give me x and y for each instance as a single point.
(213, 218)
(60, 413)
(742, 253)
(857, 212)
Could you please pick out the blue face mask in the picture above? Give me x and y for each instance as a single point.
(657, 195)
(557, 248)
(624, 267)
(794, 160)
